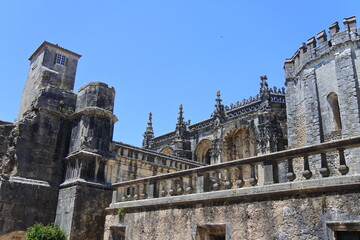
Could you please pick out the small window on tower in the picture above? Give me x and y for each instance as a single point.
(60, 59)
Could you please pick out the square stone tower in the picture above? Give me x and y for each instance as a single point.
(51, 65)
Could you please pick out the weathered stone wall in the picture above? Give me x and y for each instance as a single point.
(41, 147)
(81, 211)
(24, 202)
(301, 216)
(6, 139)
(94, 122)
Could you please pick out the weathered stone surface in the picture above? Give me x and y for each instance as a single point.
(24, 202)
(81, 211)
(303, 216)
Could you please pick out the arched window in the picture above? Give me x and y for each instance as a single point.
(332, 99)
(240, 143)
(203, 151)
(167, 151)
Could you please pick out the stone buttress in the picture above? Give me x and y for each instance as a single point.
(85, 194)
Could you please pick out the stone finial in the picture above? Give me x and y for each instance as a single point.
(263, 84)
(218, 99)
(180, 118)
(311, 42)
(321, 36)
(334, 28)
(149, 127)
(219, 111)
(350, 23)
(149, 133)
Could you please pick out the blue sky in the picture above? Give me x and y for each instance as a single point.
(159, 54)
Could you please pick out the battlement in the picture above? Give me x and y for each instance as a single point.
(320, 46)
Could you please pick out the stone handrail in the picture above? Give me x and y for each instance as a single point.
(154, 157)
(231, 175)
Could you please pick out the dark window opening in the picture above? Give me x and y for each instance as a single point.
(333, 101)
(60, 59)
(211, 232)
(353, 235)
(117, 233)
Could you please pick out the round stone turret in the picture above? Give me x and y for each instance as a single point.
(322, 98)
(94, 120)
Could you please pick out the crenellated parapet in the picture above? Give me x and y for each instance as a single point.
(321, 46)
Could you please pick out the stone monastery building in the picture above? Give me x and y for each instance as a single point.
(282, 164)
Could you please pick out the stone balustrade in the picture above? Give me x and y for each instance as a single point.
(153, 157)
(258, 171)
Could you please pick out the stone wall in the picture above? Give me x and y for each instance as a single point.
(24, 202)
(81, 210)
(300, 216)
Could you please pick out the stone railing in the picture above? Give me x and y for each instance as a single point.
(156, 158)
(250, 173)
(164, 137)
(202, 124)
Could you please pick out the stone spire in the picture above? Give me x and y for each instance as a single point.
(149, 128)
(149, 133)
(182, 146)
(264, 94)
(219, 112)
(218, 100)
(180, 118)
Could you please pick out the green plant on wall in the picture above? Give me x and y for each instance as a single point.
(48, 232)
(121, 212)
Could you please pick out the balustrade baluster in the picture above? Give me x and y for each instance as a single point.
(343, 168)
(306, 173)
(180, 188)
(239, 180)
(136, 192)
(172, 187)
(163, 192)
(216, 185)
(228, 184)
(290, 175)
(252, 179)
(143, 194)
(190, 187)
(123, 198)
(324, 170)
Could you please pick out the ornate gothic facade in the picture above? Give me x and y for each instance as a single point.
(278, 165)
